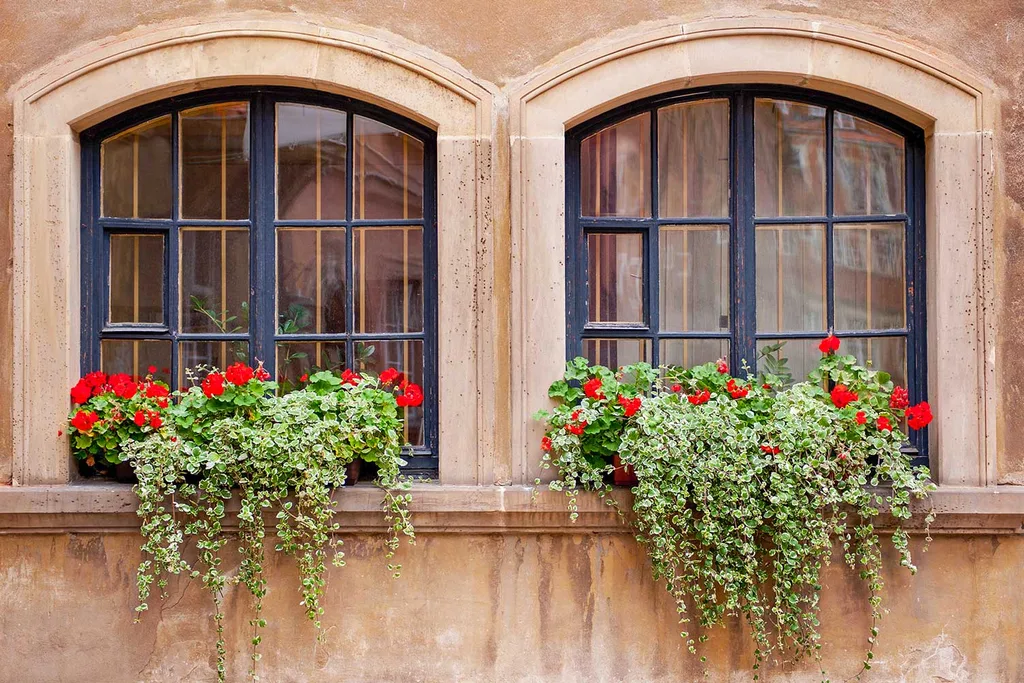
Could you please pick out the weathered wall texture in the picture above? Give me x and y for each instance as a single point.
(488, 608)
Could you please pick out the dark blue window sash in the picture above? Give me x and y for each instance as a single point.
(741, 221)
(262, 224)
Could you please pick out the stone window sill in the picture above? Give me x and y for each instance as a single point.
(110, 508)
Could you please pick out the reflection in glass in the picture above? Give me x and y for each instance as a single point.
(790, 278)
(136, 171)
(295, 359)
(214, 280)
(310, 280)
(215, 161)
(388, 170)
(196, 358)
(870, 272)
(615, 169)
(311, 149)
(793, 361)
(881, 353)
(136, 279)
(135, 356)
(869, 167)
(693, 159)
(615, 353)
(616, 277)
(388, 279)
(406, 356)
(694, 263)
(686, 353)
(789, 158)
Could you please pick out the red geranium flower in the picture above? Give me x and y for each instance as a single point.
(152, 369)
(842, 397)
(140, 418)
(262, 374)
(412, 397)
(81, 392)
(162, 402)
(700, 397)
(829, 344)
(770, 450)
(576, 429)
(126, 390)
(213, 385)
(861, 417)
(349, 377)
(766, 386)
(154, 420)
(883, 424)
(154, 390)
(95, 379)
(592, 389)
(723, 367)
(919, 416)
(545, 444)
(304, 378)
(83, 421)
(677, 388)
(239, 374)
(900, 398)
(629, 405)
(390, 375)
(735, 390)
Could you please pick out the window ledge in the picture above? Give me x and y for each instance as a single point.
(110, 508)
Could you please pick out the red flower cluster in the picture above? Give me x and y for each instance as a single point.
(677, 388)
(919, 416)
(592, 389)
(629, 405)
(883, 423)
(390, 375)
(213, 385)
(545, 444)
(842, 397)
(829, 344)
(861, 417)
(735, 390)
(770, 450)
(349, 377)
(723, 367)
(83, 421)
(577, 425)
(150, 416)
(900, 398)
(701, 397)
(411, 396)
(239, 374)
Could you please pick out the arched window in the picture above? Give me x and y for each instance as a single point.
(747, 222)
(275, 225)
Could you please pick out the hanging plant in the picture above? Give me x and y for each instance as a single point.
(230, 435)
(745, 485)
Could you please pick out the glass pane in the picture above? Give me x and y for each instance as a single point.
(406, 356)
(615, 353)
(694, 278)
(214, 280)
(137, 279)
(616, 277)
(135, 356)
(137, 171)
(693, 159)
(790, 278)
(789, 158)
(687, 353)
(311, 148)
(198, 357)
(296, 359)
(883, 353)
(615, 170)
(310, 280)
(388, 279)
(388, 170)
(870, 273)
(797, 357)
(869, 167)
(215, 161)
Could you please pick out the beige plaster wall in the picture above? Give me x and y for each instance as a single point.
(495, 607)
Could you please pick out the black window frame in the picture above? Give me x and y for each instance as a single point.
(742, 334)
(262, 224)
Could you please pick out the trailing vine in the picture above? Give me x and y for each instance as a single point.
(744, 487)
(230, 436)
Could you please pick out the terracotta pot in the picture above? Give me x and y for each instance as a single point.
(352, 475)
(624, 474)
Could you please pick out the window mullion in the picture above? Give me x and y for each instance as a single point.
(743, 239)
(829, 212)
(171, 265)
(350, 307)
(652, 270)
(263, 237)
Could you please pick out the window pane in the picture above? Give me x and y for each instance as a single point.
(388, 170)
(137, 279)
(687, 353)
(883, 353)
(215, 161)
(214, 280)
(869, 167)
(406, 356)
(615, 169)
(870, 274)
(135, 356)
(296, 359)
(797, 357)
(136, 170)
(615, 353)
(789, 158)
(616, 277)
(790, 278)
(198, 357)
(694, 278)
(388, 279)
(693, 159)
(311, 149)
(310, 280)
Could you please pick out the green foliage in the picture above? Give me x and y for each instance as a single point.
(744, 489)
(282, 456)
